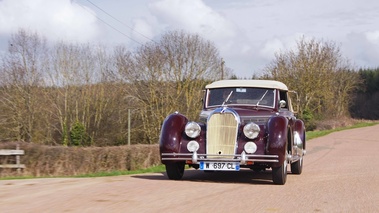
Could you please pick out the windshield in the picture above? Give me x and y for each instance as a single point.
(241, 96)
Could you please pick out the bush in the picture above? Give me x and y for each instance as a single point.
(79, 136)
(308, 119)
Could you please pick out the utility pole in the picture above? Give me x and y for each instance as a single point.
(222, 68)
(129, 127)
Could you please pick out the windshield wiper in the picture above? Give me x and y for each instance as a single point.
(261, 98)
(227, 98)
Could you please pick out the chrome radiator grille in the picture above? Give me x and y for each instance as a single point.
(221, 134)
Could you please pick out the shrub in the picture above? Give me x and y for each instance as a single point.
(79, 136)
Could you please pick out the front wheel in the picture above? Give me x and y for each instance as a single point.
(279, 174)
(175, 170)
(297, 167)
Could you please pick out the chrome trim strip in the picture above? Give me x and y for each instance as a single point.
(242, 158)
(225, 109)
(205, 155)
(223, 160)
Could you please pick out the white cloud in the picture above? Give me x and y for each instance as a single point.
(56, 20)
(271, 47)
(142, 30)
(247, 33)
(193, 16)
(373, 37)
(362, 49)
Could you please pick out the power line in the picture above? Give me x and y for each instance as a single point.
(109, 25)
(119, 20)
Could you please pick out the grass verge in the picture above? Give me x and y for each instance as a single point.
(154, 169)
(315, 134)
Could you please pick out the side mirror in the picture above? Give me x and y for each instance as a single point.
(297, 104)
(282, 103)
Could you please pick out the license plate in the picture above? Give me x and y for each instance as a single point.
(220, 166)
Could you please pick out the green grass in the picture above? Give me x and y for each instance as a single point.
(316, 134)
(17, 177)
(154, 169)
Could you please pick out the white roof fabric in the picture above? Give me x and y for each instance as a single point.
(248, 83)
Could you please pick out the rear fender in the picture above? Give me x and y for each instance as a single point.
(277, 130)
(171, 133)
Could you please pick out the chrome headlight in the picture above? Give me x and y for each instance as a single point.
(192, 129)
(193, 146)
(251, 130)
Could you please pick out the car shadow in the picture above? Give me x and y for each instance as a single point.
(244, 176)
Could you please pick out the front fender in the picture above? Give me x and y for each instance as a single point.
(299, 127)
(171, 133)
(277, 130)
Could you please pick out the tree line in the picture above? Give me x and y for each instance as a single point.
(322, 77)
(365, 101)
(80, 94)
(88, 95)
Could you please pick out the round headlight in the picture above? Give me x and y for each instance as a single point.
(192, 146)
(192, 129)
(250, 147)
(251, 130)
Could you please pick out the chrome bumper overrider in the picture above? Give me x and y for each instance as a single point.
(242, 158)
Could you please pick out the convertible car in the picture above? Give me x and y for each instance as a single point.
(244, 124)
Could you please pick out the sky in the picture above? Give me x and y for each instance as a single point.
(247, 33)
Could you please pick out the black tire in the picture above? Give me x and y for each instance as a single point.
(175, 170)
(297, 167)
(279, 174)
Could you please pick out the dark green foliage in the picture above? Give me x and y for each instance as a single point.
(79, 136)
(308, 119)
(371, 81)
(366, 98)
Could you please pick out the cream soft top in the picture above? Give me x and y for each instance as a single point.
(248, 83)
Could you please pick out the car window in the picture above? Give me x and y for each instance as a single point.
(241, 96)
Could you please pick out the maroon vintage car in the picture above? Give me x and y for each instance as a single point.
(243, 124)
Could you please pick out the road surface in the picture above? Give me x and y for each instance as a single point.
(340, 174)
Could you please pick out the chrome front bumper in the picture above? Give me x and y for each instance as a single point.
(242, 158)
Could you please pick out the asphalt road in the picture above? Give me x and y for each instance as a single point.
(340, 174)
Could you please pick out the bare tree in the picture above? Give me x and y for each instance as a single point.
(319, 73)
(22, 73)
(168, 76)
(45, 93)
(82, 95)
